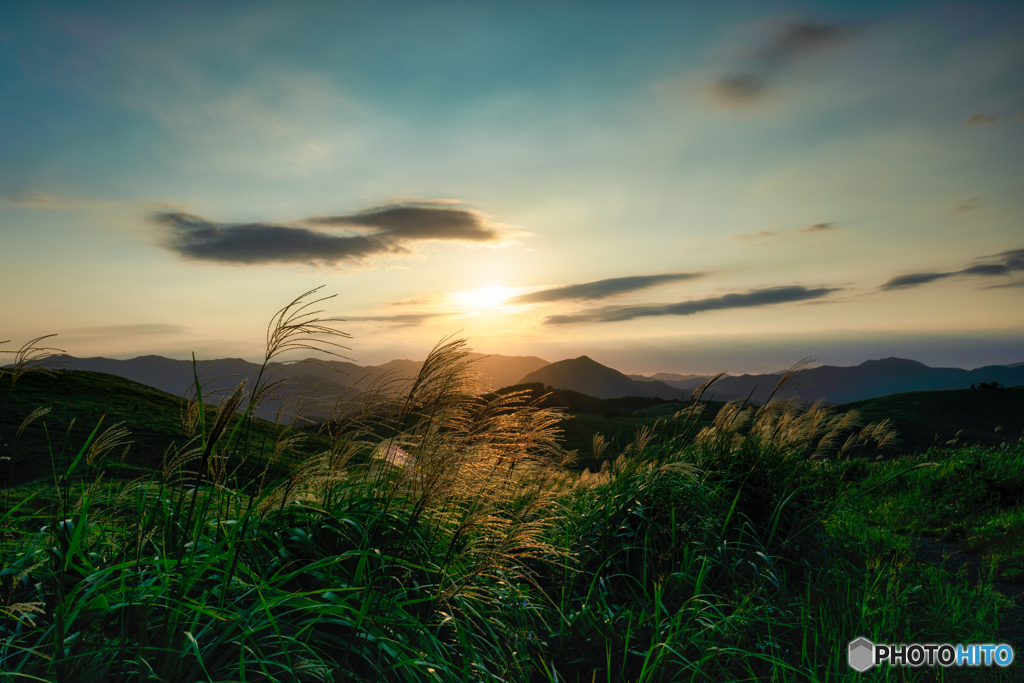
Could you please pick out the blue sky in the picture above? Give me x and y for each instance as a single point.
(661, 186)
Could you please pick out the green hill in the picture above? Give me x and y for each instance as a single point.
(927, 418)
(77, 400)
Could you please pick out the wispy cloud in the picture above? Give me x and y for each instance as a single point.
(766, 235)
(790, 42)
(997, 265)
(402, 319)
(819, 227)
(968, 205)
(980, 120)
(755, 237)
(756, 298)
(31, 199)
(601, 289)
(387, 229)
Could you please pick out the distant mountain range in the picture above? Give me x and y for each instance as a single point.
(331, 378)
(835, 385)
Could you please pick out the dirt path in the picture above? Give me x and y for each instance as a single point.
(953, 557)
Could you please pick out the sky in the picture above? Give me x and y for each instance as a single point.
(664, 187)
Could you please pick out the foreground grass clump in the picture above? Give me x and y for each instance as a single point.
(438, 536)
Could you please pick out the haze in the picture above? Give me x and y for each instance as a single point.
(678, 187)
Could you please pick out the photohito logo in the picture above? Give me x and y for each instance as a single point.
(862, 654)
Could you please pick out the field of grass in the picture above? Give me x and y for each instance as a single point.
(438, 535)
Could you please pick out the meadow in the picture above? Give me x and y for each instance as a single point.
(442, 532)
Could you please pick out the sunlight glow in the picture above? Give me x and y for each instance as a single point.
(482, 298)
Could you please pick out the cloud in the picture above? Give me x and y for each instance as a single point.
(758, 297)
(914, 279)
(968, 205)
(31, 199)
(601, 289)
(755, 236)
(791, 41)
(403, 319)
(997, 265)
(416, 221)
(803, 38)
(764, 235)
(380, 230)
(1006, 285)
(980, 120)
(740, 91)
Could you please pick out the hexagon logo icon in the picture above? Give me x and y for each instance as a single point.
(861, 654)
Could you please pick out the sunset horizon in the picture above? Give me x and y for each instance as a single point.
(660, 187)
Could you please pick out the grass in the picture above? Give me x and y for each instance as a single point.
(926, 419)
(439, 534)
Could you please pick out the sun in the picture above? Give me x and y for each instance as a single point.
(481, 298)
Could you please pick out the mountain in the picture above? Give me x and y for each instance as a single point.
(690, 382)
(870, 379)
(589, 377)
(326, 380)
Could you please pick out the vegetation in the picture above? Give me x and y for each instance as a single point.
(438, 534)
(930, 419)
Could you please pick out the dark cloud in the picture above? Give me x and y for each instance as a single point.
(804, 38)
(601, 289)
(755, 298)
(980, 120)
(997, 265)
(380, 230)
(416, 221)
(914, 279)
(792, 41)
(819, 227)
(740, 91)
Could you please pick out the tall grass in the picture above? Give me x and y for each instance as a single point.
(440, 536)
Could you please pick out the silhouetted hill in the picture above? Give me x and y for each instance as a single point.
(589, 377)
(325, 380)
(870, 379)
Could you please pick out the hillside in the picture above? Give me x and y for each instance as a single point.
(926, 418)
(589, 377)
(78, 400)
